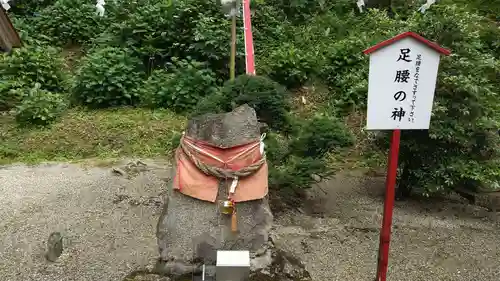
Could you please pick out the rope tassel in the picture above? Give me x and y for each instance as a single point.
(234, 222)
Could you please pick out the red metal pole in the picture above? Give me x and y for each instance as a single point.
(249, 52)
(385, 233)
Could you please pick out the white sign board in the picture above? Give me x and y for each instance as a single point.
(401, 85)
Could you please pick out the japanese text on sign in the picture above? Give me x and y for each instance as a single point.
(402, 81)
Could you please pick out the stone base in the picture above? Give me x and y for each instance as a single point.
(190, 231)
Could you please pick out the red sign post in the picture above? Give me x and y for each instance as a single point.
(402, 80)
(247, 26)
(385, 233)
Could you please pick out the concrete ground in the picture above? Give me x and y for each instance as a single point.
(108, 222)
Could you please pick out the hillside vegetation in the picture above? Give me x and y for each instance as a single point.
(86, 86)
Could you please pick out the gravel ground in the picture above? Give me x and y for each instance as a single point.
(108, 222)
(431, 240)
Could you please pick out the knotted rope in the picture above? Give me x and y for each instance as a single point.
(191, 150)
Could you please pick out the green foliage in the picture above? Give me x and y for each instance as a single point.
(180, 87)
(290, 175)
(25, 29)
(157, 31)
(108, 77)
(345, 67)
(462, 147)
(295, 158)
(277, 148)
(291, 179)
(319, 136)
(211, 44)
(296, 41)
(269, 26)
(32, 64)
(26, 66)
(39, 107)
(146, 28)
(487, 8)
(29, 7)
(267, 97)
(290, 66)
(300, 10)
(10, 95)
(68, 22)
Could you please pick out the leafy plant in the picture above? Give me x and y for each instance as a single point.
(319, 136)
(29, 7)
(32, 64)
(462, 147)
(108, 77)
(10, 96)
(180, 87)
(277, 148)
(290, 66)
(267, 97)
(68, 22)
(291, 179)
(301, 10)
(26, 66)
(39, 107)
(211, 44)
(159, 30)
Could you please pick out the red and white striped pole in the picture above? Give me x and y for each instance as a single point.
(247, 25)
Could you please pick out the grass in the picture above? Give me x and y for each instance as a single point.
(82, 134)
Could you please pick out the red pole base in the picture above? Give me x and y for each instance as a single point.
(385, 233)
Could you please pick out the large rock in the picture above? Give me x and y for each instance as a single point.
(190, 231)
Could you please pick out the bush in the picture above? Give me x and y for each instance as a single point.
(319, 136)
(300, 10)
(32, 64)
(345, 67)
(267, 97)
(211, 44)
(146, 28)
(180, 87)
(292, 178)
(40, 107)
(462, 146)
(108, 77)
(26, 66)
(158, 30)
(277, 148)
(290, 66)
(10, 96)
(68, 22)
(29, 7)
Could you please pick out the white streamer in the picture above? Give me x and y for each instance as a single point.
(426, 6)
(232, 188)
(262, 144)
(361, 5)
(5, 4)
(100, 7)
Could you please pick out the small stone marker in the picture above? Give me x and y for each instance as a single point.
(233, 265)
(54, 246)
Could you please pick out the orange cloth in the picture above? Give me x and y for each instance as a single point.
(189, 180)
